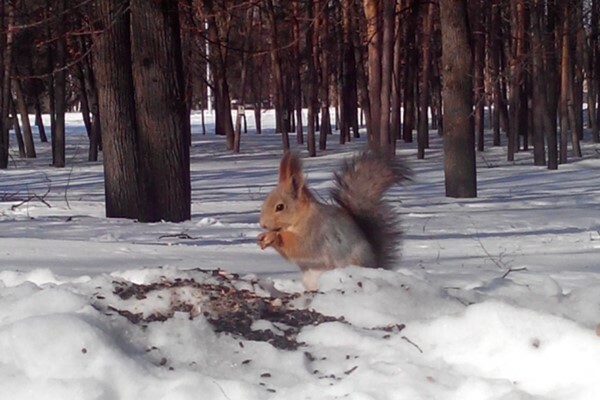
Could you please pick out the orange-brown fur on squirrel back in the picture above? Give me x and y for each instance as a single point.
(361, 229)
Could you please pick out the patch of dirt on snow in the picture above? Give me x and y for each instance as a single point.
(229, 303)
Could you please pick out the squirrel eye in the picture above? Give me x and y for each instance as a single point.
(279, 207)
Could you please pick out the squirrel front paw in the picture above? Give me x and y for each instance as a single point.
(267, 239)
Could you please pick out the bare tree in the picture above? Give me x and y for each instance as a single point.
(540, 105)
(517, 117)
(426, 69)
(478, 14)
(60, 87)
(372, 15)
(21, 106)
(146, 146)
(457, 64)
(125, 188)
(6, 44)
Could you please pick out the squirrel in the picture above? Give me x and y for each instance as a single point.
(359, 228)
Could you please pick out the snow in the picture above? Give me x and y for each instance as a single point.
(496, 297)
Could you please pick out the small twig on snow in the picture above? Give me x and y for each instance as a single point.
(513, 270)
(413, 343)
(41, 199)
(181, 235)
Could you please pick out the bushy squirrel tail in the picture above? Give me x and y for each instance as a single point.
(360, 186)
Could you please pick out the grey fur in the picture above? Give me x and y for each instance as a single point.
(360, 187)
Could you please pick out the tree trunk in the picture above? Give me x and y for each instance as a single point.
(126, 191)
(281, 113)
(495, 49)
(6, 44)
(39, 121)
(423, 125)
(91, 93)
(411, 72)
(218, 62)
(323, 52)
(590, 55)
(241, 107)
(459, 138)
(60, 91)
(17, 128)
(396, 112)
(595, 66)
(164, 132)
(540, 113)
(372, 14)
(22, 109)
(85, 105)
(576, 106)
(311, 88)
(565, 91)
(296, 71)
(516, 122)
(362, 80)
(478, 15)
(551, 72)
(387, 65)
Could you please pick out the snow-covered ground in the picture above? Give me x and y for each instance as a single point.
(496, 297)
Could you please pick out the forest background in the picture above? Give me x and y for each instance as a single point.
(528, 69)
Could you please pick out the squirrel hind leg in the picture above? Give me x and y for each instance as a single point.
(310, 279)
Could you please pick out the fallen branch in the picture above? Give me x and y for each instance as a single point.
(413, 343)
(41, 199)
(181, 235)
(513, 270)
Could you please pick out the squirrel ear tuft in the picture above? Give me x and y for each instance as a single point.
(290, 172)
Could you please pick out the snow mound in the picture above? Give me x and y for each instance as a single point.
(368, 334)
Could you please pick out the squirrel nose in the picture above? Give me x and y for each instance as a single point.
(262, 223)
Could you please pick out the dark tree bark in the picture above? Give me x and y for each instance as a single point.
(590, 80)
(245, 65)
(321, 53)
(396, 112)
(551, 72)
(240, 113)
(478, 14)
(539, 103)
(423, 125)
(311, 88)
(296, 71)
(348, 77)
(565, 82)
(387, 65)
(3, 110)
(60, 87)
(39, 122)
(126, 192)
(157, 67)
(6, 44)
(90, 93)
(576, 104)
(372, 14)
(595, 66)
(362, 81)
(218, 60)
(411, 72)
(281, 112)
(459, 138)
(578, 67)
(17, 128)
(495, 54)
(83, 98)
(21, 106)
(516, 121)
